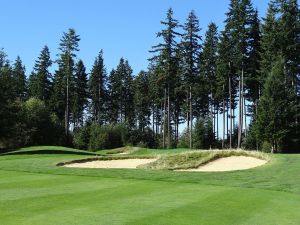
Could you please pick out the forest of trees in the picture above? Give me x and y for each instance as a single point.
(235, 88)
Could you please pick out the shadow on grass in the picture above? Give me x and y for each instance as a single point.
(45, 152)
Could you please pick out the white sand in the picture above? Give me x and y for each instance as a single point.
(229, 164)
(121, 163)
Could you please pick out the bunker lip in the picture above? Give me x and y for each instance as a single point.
(111, 164)
(231, 163)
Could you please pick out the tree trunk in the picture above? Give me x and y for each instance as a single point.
(67, 101)
(187, 113)
(230, 108)
(191, 118)
(241, 83)
(245, 116)
(169, 132)
(164, 120)
(223, 141)
(217, 122)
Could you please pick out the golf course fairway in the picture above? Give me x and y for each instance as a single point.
(34, 191)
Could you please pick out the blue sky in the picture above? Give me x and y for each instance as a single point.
(121, 28)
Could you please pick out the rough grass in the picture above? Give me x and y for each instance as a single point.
(194, 159)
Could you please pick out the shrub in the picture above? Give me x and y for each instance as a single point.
(266, 147)
(81, 137)
(107, 136)
(203, 135)
(144, 138)
(184, 141)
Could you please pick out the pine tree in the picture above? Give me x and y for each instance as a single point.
(208, 68)
(19, 78)
(68, 47)
(164, 58)
(40, 80)
(121, 94)
(191, 53)
(252, 80)
(142, 100)
(80, 94)
(7, 98)
(114, 92)
(276, 114)
(270, 43)
(97, 86)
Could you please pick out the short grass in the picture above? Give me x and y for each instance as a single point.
(34, 191)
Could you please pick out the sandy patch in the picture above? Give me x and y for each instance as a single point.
(108, 164)
(229, 164)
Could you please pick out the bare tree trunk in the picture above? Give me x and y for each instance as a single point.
(187, 113)
(67, 101)
(230, 108)
(164, 120)
(153, 110)
(240, 109)
(245, 116)
(191, 118)
(218, 122)
(227, 127)
(223, 141)
(169, 132)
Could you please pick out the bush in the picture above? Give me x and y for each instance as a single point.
(184, 140)
(203, 135)
(81, 137)
(146, 139)
(107, 136)
(266, 147)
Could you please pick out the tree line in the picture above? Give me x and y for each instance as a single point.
(234, 88)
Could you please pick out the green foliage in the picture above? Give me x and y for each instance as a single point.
(80, 94)
(40, 79)
(203, 136)
(266, 147)
(107, 136)
(98, 90)
(81, 138)
(145, 139)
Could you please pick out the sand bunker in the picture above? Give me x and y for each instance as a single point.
(105, 164)
(229, 164)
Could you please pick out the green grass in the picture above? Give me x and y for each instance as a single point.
(48, 150)
(34, 191)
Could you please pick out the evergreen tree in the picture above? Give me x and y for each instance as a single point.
(7, 115)
(40, 79)
(19, 77)
(98, 92)
(208, 68)
(276, 113)
(121, 94)
(80, 98)
(142, 100)
(191, 53)
(164, 58)
(68, 47)
(270, 43)
(114, 91)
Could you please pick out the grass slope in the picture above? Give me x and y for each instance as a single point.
(34, 191)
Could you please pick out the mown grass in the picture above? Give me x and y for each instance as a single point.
(48, 150)
(34, 191)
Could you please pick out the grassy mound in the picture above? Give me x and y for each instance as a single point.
(48, 150)
(194, 159)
